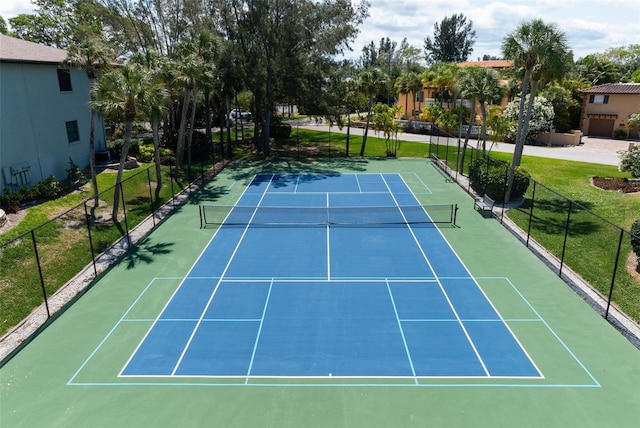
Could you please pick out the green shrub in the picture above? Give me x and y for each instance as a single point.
(635, 238)
(630, 161)
(145, 153)
(490, 177)
(134, 148)
(47, 188)
(620, 134)
(279, 130)
(75, 174)
(10, 198)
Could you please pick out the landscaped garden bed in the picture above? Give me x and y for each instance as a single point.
(624, 185)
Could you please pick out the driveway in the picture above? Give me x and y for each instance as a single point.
(592, 150)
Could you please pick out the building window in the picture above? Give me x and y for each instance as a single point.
(64, 79)
(598, 99)
(72, 131)
(419, 96)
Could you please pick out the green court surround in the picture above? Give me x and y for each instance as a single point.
(67, 376)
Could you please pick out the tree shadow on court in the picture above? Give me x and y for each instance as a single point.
(145, 253)
(313, 170)
(207, 194)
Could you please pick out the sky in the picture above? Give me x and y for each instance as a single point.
(591, 26)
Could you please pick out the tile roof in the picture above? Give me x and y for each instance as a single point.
(614, 88)
(18, 50)
(501, 63)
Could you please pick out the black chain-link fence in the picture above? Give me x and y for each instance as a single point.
(36, 264)
(590, 245)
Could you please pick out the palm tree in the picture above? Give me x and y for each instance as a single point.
(91, 55)
(415, 85)
(401, 85)
(370, 80)
(540, 51)
(123, 93)
(157, 104)
(482, 86)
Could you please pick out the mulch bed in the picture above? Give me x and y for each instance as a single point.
(618, 184)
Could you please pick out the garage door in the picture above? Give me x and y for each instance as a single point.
(600, 127)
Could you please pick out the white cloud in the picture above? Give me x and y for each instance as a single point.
(11, 8)
(590, 25)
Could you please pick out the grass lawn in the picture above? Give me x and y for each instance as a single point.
(61, 239)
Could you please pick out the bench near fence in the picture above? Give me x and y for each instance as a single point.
(484, 204)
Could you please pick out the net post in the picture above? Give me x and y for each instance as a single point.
(455, 214)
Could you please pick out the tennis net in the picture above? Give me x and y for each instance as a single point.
(216, 215)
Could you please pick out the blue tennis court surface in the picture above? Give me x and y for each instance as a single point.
(319, 300)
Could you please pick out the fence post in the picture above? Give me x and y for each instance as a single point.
(151, 197)
(533, 198)
(173, 193)
(93, 253)
(44, 291)
(124, 209)
(566, 235)
(504, 194)
(613, 277)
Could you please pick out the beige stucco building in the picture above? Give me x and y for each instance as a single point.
(608, 107)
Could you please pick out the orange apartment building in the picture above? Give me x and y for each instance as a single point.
(427, 95)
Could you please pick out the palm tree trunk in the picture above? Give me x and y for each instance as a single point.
(366, 128)
(191, 126)
(520, 137)
(472, 114)
(207, 118)
(123, 159)
(348, 131)
(483, 112)
(181, 133)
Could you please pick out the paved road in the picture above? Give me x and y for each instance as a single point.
(593, 150)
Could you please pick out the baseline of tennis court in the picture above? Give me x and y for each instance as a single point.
(331, 320)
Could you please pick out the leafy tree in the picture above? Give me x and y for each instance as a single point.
(540, 120)
(453, 40)
(540, 52)
(499, 125)
(634, 121)
(626, 59)
(384, 119)
(630, 161)
(58, 23)
(431, 113)
(447, 120)
(3, 26)
(278, 38)
(410, 58)
(596, 70)
(563, 103)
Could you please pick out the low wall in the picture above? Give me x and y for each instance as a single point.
(558, 139)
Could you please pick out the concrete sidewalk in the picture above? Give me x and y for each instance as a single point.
(592, 150)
